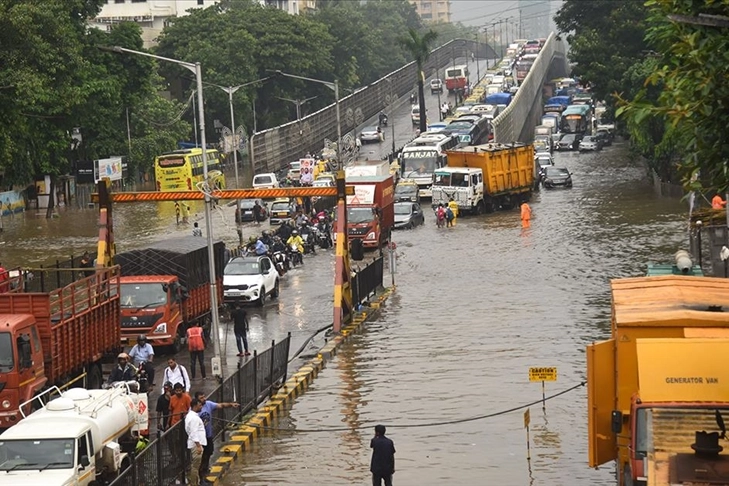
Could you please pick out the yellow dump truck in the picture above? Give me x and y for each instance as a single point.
(484, 178)
(658, 389)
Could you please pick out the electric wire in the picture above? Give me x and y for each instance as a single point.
(414, 425)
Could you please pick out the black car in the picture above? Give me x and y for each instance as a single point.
(604, 137)
(569, 141)
(408, 215)
(557, 177)
(246, 210)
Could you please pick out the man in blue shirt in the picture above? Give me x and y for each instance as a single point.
(206, 415)
(261, 248)
(382, 466)
(142, 355)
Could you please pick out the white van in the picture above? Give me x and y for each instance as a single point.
(265, 181)
(415, 114)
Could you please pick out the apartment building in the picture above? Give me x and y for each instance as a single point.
(294, 7)
(433, 11)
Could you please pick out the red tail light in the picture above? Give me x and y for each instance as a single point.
(189, 184)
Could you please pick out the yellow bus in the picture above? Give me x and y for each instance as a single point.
(181, 170)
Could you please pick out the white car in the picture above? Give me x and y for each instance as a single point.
(265, 181)
(250, 279)
(371, 134)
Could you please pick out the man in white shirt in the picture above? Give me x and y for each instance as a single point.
(176, 373)
(196, 440)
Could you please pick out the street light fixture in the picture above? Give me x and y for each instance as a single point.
(333, 86)
(298, 104)
(197, 69)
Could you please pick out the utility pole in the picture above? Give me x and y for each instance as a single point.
(501, 38)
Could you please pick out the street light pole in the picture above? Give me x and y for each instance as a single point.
(197, 69)
(298, 104)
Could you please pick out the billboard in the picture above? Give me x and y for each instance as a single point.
(108, 168)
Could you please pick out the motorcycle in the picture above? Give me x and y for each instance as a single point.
(295, 255)
(383, 120)
(307, 234)
(324, 237)
(280, 262)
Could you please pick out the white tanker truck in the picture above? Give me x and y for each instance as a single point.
(77, 439)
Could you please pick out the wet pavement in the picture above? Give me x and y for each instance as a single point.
(475, 307)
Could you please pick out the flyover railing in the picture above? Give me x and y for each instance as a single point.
(508, 126)
(366, 281)
(273, 148)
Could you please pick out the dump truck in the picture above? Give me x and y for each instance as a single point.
(370, 210)
(485, 178)
(657, 389)
(82, 437)
(53, 338)
(165, 287)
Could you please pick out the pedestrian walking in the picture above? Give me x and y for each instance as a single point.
(526, 215)
(206, 415)
(176, 373)
(382, 465)
(196, 441)
(196, 231)
(453, 207)
(177, 212)
(196, 346)
(163, 407)
(240, 329)
(185, 213)
(257, 212)
(440, 216)
(179, 404)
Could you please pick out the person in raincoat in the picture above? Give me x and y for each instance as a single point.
(717, 202)
(297, 240)
(526, 215)
(453, 206)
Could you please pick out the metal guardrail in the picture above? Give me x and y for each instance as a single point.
(509, 125)
(366, 281)
(275, 147)
(165, 459)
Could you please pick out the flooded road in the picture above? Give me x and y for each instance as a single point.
(475, 307)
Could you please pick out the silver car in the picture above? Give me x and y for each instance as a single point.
(589, 144)
(371, 134)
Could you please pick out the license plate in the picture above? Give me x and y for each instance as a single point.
(235, 294)
(249, 212)
(281, 215)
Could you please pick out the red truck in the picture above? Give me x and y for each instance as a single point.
(370, 211)
(166, 287)
(51, 338)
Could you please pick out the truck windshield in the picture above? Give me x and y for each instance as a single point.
(420, 163)
(406, 190)
(36, 454)
(136, 295)
(359, 215)
(442, 179)
(6, 352)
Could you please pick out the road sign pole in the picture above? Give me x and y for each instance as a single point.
(544, 399)
(527, 420)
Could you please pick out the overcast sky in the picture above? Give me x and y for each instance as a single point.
(481, 12)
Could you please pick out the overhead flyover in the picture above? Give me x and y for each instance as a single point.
(516, 123)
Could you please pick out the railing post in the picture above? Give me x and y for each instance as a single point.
(42, 279)
(255, 375)
(286, 356)
(158, 451)
(58, 274)
(270, 370)
(134, 468)
(240, 384)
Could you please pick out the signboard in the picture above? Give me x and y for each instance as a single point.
(363, 195)
(307, 171)
(108, 168)
(543, 374)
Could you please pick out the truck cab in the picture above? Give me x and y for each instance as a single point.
(151, 305)
(463, 184)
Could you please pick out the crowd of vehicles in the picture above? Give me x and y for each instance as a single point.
(182, 170)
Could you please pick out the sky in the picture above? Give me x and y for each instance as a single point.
(481, 12)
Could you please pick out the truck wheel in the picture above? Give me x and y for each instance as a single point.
(176, 345)
(94, 379)
(274, 294)
(262, 297)
(479, 208)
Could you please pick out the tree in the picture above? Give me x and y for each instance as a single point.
(419, 47)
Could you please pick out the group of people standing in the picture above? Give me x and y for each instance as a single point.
(446, 214)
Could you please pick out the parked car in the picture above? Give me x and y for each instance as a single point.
(569, 141)
(266, 180)
(281, 210)
(436, 86)
(246, 209)
(408, 215)
(250, 279)
(372, 134)
(557, 177)
(590, 144)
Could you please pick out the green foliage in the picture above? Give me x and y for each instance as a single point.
(419, 47)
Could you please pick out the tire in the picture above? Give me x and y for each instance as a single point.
(479, 208)
(94, 379)
(176, 345)
(262, 297)
(276, 291)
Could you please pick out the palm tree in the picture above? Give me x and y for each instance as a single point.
(419, 48)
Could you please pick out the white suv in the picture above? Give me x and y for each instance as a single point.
(265, 181)
(250, 279)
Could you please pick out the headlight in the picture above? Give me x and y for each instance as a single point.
(160, 329)
(370, 236)
(6, 403)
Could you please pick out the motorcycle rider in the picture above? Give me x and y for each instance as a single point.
(261, 247)
(142, 355)
(383, 118)
(267, 239)
(296, 240)
(124, 371)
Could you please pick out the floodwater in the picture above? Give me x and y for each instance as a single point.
(475, 307)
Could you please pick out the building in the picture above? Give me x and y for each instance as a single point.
(151, 15)
(534, 19)
(433, 11)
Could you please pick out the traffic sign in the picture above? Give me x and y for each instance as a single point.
(543, 374)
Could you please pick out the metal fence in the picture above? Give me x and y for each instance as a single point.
(367, 280)
(275, 147)
(509, 125)
(165, 459)
(54, 276)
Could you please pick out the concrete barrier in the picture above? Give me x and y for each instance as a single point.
(241, 439)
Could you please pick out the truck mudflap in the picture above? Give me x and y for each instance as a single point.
(601, 393)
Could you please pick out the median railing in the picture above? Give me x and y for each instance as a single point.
(366, 281)
(165, 458)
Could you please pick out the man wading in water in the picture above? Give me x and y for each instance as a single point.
(382, 466)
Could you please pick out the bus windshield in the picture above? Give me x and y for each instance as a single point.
(419, 163)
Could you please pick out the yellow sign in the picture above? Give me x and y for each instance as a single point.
(527, 419)
(683, 370)
(543, 374)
